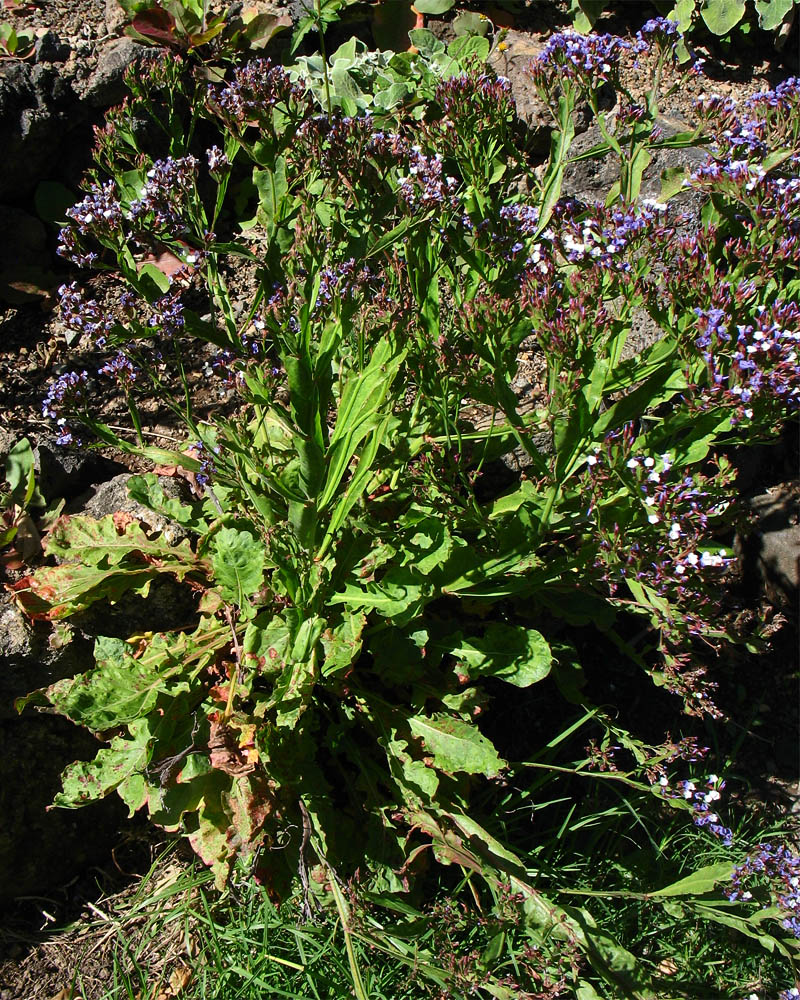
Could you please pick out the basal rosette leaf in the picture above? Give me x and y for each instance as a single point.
(114, 766)
(419, 783)
(455, 745)
(100, 560)
(114, 539)
(342, 643)
(128, 678)
(228, 820)
(238, 560)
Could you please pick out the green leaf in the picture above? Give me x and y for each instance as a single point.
(470, 23)
(672, 182)
(153, 281)
(772, 13)
(518, 655)
(585, 13)
(722, 15)
(683, 12)
(699, 882)
(52, 200)
(433, 7)
(427, 43)
(399, 590)
(273, 188)
(469, 47)
(88, 781)
(456, 745)
(238, 559)
(342, 643)
(121, 688)
(20, 472)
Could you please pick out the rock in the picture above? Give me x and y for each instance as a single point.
(40, 849)
(512, 63)
(37, 109)
(772, 550)
(65, 474)
(50, 48)
(30, 659)
(106, 85)
(590, 180)
(112, 497)
(30, 237)
(115, 17)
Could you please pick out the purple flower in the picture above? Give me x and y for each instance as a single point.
(168, 184)
(588, 60)
(121, 368)
(66, 395)
(83, 315)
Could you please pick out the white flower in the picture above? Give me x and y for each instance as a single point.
(653, 518)
(633, 463)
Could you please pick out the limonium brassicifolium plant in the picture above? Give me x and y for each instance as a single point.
(364, 577)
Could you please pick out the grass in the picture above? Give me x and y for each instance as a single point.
(175, 936)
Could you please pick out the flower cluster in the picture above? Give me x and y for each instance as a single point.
(121, 368)
(82, 315)
(781, 869)
(256, 89)
(702, 800)
(169, 182)
(603, 235)
(99, 213)
(217, 160)
(660, 31)
(587, 60)
(167, 315)
(471, 91)
(66, 396)
(760, 365)
(426, 187)
(342, 282)
(680, 505)
(207, 465)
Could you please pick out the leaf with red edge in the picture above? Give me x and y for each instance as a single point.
(158, 25)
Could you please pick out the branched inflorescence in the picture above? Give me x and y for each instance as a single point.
(779, 867)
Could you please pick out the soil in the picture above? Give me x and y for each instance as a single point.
(33, 349)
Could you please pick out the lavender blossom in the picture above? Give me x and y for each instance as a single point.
(66, 396)
(121, 368)
(83, 316)
(167, 315)
(587, 60)
(780, 868)
(169, 183)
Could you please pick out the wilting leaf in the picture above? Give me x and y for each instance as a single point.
(87, 781)
(456, 745)
(123, 687)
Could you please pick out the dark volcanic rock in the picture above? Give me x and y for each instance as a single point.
(37, 109)
(106, 85)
